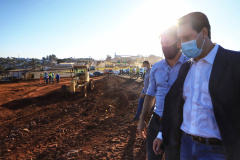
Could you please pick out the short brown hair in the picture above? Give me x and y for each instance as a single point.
(146, 62)
(198, 21)
(170, 31)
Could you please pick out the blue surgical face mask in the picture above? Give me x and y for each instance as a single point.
(190, 48)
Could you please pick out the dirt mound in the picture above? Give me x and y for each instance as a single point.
(55, 125)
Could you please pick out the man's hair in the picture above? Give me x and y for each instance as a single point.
(170, 31)
(146, 62)
(198, 21)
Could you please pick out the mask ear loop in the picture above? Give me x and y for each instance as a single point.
(198, 35)
(203, 43)
(203, 40)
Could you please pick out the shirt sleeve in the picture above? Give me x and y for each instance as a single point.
(159, 135)
(152, 86)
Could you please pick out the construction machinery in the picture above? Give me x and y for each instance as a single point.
(80, 81)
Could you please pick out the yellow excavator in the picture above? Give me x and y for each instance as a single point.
(81, 81)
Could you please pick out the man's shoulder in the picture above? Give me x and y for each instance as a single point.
(229, 52)
(229, 55)
(157, 64)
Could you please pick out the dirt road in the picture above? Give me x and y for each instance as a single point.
(41, 122)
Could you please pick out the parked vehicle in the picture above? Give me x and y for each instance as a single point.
(92, 68)
(116, 72)
(91, 75)
(108, 71)
(111, 71)
(97, 73)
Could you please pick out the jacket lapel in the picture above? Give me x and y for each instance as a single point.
(217, 69)
(185, 72)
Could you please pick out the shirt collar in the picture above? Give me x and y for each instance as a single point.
(211, 55)
(181, 59)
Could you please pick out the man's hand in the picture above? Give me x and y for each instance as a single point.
(157, 143)
(142, 95)
(142, 129)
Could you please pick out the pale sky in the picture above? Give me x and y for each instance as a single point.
(97, 28)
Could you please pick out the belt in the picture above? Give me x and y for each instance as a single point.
(210, 141)
(156, 116)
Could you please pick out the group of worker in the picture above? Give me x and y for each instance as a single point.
(135, 72)
(196, 92)
(49, 78)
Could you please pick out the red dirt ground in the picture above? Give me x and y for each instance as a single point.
(38, 121)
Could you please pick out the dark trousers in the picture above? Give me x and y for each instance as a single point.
(152, 132)
(140, 106)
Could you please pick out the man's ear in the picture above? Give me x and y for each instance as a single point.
(179, 44)
(205, 32)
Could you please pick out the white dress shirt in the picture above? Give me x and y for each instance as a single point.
(198, 115)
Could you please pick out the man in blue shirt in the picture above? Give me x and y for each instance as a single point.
(163, 75)
(57, 78)
(147, 67)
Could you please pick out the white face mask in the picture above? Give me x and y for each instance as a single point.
(145, 68)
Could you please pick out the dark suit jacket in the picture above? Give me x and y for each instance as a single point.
(224, 89)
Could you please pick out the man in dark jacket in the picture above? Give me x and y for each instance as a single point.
(201, 118)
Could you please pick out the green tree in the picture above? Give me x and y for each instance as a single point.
(33, 63)
(60, 61)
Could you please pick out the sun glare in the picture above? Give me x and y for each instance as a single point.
(139, 33)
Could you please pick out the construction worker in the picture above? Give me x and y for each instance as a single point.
(50, 77)
(57, 78)
(41, 78)
(133, 72)
(53, 77)
(121, 72)
(130, 72)
(46, 77)
(138, 71)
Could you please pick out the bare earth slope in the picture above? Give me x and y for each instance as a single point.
(39, 121)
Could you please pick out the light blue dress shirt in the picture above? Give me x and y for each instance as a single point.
(162, 77)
